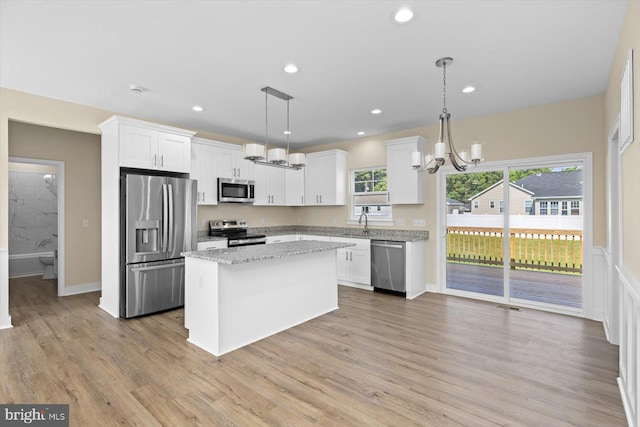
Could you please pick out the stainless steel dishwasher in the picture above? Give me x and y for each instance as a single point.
(388, 266)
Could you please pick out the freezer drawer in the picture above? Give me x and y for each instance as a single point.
(388, 266)
(152, 287)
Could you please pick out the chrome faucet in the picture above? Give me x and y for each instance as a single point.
(366, 220)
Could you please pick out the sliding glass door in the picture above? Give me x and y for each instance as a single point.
(515, 233)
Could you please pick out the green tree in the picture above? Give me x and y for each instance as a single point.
(465, 185)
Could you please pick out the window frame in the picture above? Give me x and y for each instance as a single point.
(543, 208)
(353, 217)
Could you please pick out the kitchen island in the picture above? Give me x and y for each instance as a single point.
(237, 296)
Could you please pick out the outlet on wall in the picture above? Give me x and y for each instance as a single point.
(400, 222)
(85, 223)
(419, 223)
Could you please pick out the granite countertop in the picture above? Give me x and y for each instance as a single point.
(244, 254)
(347, 232)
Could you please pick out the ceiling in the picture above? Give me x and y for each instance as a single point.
(351, 56)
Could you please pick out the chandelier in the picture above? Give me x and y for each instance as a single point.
(444, 147)
(276, 157)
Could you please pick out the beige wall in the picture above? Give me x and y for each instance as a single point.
(629, 39)
(80, 153)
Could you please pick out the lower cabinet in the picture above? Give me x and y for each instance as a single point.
(212, 244)
(354, 263)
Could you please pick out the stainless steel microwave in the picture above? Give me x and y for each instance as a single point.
(235, 190)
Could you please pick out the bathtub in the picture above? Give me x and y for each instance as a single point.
(21, 265)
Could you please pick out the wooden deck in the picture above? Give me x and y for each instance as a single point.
(550, 288)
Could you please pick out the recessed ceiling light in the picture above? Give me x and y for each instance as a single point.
(197, 108)
(469, 89)
(376, 111)
(291, 68)
(136, 88)
(287, 132)
(403, 15)
(361, 133)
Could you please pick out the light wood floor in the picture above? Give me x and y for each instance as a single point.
(378, 360)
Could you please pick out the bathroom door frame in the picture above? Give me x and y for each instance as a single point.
(61, 230)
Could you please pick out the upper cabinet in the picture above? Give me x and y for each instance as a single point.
(295, 187)
(325, 178)
(144, 145)
(270, 185)
(405, 185)
(202, 169)
(230, 162)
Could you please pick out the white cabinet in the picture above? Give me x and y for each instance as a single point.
(148, 146)
(405, 185)
(203, 170)
(280, 239)
(294, 193)
(212, 244)
(354, 263)
(270, 185)
(325, 179)
(230, 162)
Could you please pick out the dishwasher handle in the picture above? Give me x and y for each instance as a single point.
(387, 245)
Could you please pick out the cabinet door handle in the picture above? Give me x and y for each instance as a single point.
(234, 171)
(321, 199)
(155, 160)
(302, 200)
(350, 256)
(198, 196)
(316, 199)
(162, 160)
(203, 196)
(238, 171)
(346, 256)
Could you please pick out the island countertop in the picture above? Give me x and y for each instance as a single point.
(244, 254)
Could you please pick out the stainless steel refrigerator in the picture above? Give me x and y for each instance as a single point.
(158, 222)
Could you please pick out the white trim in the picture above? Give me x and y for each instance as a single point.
(383, 223)
(31, 255)
(588, 302)
(61, 215)
(82, 289)
(5, 318)
(613, 253)
(626, 103)
(626, 403)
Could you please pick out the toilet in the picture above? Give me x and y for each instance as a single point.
(50, 266)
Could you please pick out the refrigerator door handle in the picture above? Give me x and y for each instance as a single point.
(165, 218)
(158, 267)
(172, 243)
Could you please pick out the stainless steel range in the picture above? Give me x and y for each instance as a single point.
(235, 230)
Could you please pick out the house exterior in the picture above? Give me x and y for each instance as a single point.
(551, 193)
(455, 206)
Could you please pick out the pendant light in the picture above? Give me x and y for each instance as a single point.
(276, 157)
(444, 147)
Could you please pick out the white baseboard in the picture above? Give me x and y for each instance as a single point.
(356, 285)
(626, 404)
(104, 308)
(81, 289)
(434, 288)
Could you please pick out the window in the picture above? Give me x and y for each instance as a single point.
(554, 208)
(501, 206)
(543, 208)
(575, 207)
(476, 204)
(369, 190)
(564, 211)
(528, 204)
(492, 204)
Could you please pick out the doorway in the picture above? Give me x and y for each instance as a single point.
(512, 232)
(36, 219)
